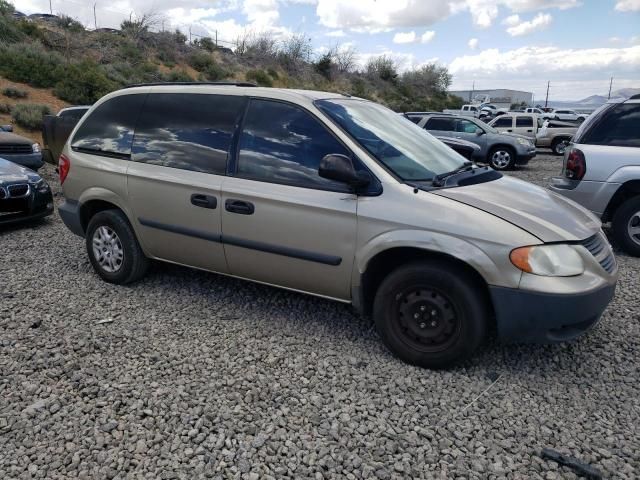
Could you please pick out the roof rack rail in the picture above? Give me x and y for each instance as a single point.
(154, 84)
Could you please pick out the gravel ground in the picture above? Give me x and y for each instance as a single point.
(200, 375)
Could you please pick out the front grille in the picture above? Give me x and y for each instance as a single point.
(17, 191)
(8, 148)
(598, 246)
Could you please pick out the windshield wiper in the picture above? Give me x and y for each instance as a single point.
(438, 180)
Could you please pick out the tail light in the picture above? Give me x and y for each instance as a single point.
(575, 167)
(63, 168)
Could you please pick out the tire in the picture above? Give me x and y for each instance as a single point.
(626, 226)
(501, 158)
(123, 260)
(453, 314)
(559, 145)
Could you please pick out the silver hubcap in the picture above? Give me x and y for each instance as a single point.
(107, 249)
(633, 227)
(562, 146)
(501, 159)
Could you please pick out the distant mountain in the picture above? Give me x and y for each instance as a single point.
(594, 101)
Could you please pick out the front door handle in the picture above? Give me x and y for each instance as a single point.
(204, 201)
(239, 206)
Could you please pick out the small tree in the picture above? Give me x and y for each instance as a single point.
(294, 52)
(345, 58)
(139, 28)
(383, 67)
(205, 43)
(324, 66)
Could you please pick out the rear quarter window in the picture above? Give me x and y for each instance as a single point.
(616, 125)
(109, 129)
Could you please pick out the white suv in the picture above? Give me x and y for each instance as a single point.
(602, 169)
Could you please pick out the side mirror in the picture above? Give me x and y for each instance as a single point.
(340, 168)
(479, 132)
(6, 128)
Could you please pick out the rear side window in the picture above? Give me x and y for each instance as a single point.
(465, 126)
(109, 128)
(524, 121)
(503, 122)
(619, 126)
(187, 131)
(440, 124)
(284, 144)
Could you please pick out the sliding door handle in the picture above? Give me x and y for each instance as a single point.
(239, 206)
(204, 201)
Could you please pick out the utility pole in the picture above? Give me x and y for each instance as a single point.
(610, 85)
(95, 19)
(546, 100)
(189, 34)
(50, 9)
(216, 38)
(473, 89)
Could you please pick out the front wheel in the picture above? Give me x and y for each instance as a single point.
(113, 248)
(430, 315)
(502, 158)
(626, 226)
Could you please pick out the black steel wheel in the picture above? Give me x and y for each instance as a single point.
(432, 313)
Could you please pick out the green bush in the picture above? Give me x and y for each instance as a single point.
(13, 92)
(273, 73)
(5, 108)
(215, 72)
(83, 83)
(30, 63)
(9, 31)
(260, 77)
(29, 115)
(177, 76)
(201, 61)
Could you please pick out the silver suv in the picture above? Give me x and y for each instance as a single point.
(337, 197)
(501, 151)
(601, 169)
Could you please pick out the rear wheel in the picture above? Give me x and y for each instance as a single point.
(501, 158)
(559, 145)
(113, 248)
(430, 315)
(626, 226)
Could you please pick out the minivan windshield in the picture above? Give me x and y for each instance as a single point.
(410, 152)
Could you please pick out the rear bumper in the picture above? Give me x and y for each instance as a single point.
(525, 316)
(30, 160)
(594, 196)
(69, 212)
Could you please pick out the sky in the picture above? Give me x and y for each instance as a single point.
(577, 45)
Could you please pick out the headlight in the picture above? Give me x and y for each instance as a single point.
(524, 141)
(548, 260)
(35, 147)
(39, 184)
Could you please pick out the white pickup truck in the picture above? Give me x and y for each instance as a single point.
(465, 111)
(546, 133)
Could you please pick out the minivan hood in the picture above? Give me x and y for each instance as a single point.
(542, 213)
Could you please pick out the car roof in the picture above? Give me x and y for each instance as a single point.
(239, 88)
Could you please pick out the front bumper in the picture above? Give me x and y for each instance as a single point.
(525, 316)
(36, 205)
(522, 158)
(30, 160)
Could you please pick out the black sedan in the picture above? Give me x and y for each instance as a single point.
(24, 195)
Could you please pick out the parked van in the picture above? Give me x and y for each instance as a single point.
(337, 197)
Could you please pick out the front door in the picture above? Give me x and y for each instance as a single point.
(179, 158)
(282, 223)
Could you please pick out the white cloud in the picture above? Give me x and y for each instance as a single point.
(628, 6)
(404, 37)
(539, 22)
(473, 43)
(427, 36)
(336, 33)
(511, 20)
(574, 73)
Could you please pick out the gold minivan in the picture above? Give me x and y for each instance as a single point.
(338, 197)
